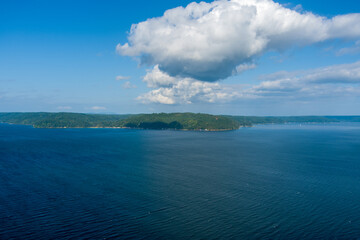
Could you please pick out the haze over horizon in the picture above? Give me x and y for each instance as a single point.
(238, 57)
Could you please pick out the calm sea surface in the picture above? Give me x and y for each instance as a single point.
(265, 182)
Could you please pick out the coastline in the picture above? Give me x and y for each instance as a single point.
(173, 129)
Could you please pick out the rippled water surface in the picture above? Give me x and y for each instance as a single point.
(275, 181)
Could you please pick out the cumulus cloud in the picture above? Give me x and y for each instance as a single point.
(120, 78)
(336, 80)
(156, 78)
(188, 90)
(178, 90)
(212, 41)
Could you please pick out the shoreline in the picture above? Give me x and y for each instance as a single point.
(172, 129)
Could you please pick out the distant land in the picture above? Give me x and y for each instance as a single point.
(177, 121)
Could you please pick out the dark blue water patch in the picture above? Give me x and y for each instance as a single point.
(270, 181)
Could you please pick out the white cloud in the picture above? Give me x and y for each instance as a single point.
(208, 41)
(119, 78)
(64, 107)
(243, 67)
(350, 50)
(299, 8)
(337, 80)
(98, 108)
(156, 78)
(342, 73)
(187, 91)
(128, 85)
(177, 90)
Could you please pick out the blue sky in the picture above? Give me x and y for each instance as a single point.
(64, 56)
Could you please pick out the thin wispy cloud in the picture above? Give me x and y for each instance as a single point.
(128, 85)
(349, 50)
(244, 67)
(341, 73)
(331, 81)
(64, 108)
(120, 78)
(299, 8)
(97, 108)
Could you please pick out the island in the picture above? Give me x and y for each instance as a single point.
(175, 121)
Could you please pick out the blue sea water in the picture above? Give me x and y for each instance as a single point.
(265, 182)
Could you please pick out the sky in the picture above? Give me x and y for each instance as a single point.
(239, 57)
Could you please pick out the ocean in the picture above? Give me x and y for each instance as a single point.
(286, 181)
